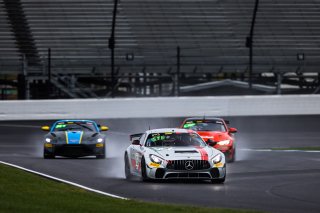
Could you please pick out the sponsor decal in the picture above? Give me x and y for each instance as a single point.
(188, 125)
(59, 126)
(67, 139)
(99, 145)
(158, 138)
(154, 165)
(136, 157)
(48, 145)
(219, 165)
(73, 137)
(203, 153)
(207, 136)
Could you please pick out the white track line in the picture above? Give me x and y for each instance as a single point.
(271, 150)
(64, 181)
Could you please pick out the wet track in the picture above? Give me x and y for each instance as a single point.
(274, 181)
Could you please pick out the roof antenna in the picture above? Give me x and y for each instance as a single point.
(204, 117)
(149, 127)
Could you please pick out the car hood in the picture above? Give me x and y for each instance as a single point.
(177, 153)
(215, 136)
(74, 137)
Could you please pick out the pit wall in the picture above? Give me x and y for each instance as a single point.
(160, 107)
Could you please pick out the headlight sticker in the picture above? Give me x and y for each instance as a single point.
(219, 165)
(48, 145)
(154, 165)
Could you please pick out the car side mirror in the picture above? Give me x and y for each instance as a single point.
(45, 128)
(104, 128)
(136, 142)
(210, 142)
(232, 130)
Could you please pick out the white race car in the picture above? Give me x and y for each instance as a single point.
(173, 154)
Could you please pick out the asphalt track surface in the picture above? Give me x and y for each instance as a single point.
(274, 181)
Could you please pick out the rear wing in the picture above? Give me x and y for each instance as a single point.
(135, 136)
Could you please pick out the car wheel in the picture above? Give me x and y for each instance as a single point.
(127, 167)
(231, 158)
(48, 155)
(220, 180)
(144, 175)
(103, 156)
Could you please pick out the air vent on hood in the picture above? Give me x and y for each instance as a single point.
(94, 135)
(186, 151)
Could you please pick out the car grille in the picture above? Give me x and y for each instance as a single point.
(74, 150)
(188, 176)
(184, 165)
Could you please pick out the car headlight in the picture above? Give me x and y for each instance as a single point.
(100, 140)
(225, 142)
(48, 140)
(155, 159)
(217, 158)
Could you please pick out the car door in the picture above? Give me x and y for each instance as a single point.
(136, 154)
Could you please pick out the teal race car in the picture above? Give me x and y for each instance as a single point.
(74, 138)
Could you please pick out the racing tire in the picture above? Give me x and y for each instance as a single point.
(127, 167)
(48, 156)
(232, 158)
(220, 180)
(144, 176)
(103, 156)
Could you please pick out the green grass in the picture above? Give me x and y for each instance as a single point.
(299, 148)
(21, 191)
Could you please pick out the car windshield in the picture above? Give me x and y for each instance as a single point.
(75, 126)
(205, 125)
(174, 139)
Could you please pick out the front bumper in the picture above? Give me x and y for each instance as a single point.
(228, 151)
(223, 148)
(74, 150)
(207, 174)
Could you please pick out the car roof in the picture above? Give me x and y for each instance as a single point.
(204, 118)
(75, 120)
(163, 130)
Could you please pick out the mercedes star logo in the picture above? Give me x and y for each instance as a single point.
(189, 165)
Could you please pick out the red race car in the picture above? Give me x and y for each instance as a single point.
(215, 132)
